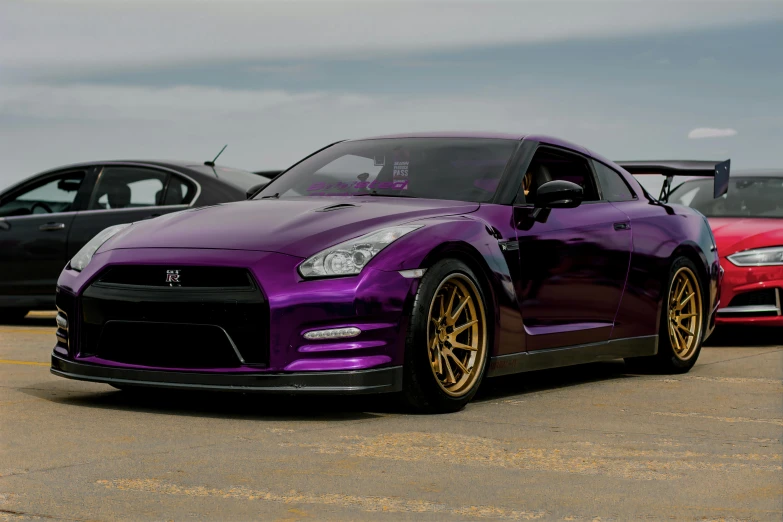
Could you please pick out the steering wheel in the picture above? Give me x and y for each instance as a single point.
(43, 205)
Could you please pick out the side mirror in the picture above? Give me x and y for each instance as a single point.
(559, 194)
(252, 190)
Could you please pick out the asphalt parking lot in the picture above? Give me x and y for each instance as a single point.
(584, 443)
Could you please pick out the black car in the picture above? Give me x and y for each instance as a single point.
(47, 218)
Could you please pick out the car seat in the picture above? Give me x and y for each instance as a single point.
(119, 196)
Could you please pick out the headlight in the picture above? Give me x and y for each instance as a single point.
(84, 256)
(350, 257)
(758, 257)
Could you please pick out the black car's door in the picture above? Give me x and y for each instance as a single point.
(35, 220)
(574, 264)
(125, 193)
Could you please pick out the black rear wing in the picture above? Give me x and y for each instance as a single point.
(719, 170)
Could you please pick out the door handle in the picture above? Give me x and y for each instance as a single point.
(48, 227)
(622, 226)
(4, 225)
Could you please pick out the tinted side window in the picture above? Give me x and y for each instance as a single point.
(52, 195)
(549, 164)
(613, 187)
(179, 192)
(128, 187)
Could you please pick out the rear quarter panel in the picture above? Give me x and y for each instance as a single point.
(661, 233)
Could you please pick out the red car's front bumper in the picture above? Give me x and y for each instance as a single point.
(751, 295)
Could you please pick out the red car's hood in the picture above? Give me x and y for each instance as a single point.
(737, 234)
(298, 226)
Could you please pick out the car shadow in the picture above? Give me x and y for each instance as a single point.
(745, 337)
(222, 405)
(273, 407)
(544, 380)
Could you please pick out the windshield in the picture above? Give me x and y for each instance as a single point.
(239, 178)
(437, 168)
(747, 197)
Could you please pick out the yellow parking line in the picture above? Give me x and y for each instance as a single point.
(27, 363)
(48, 331)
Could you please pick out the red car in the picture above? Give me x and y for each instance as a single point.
(747, 223)
(748, 226)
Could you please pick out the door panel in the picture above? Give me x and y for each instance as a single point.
(33, 253)
(573, 271)
(37, 219)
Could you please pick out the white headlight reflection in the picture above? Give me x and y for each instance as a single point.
(84, 256)
(758, 257)
(350, 257)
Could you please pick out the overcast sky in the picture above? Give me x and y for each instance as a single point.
(651, 79)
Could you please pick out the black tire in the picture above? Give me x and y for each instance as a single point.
(12, 315)
(421, 388)
(670, 360)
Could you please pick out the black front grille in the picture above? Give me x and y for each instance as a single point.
(755, 298)
(176, 327)
(166, 345)
(186, 276)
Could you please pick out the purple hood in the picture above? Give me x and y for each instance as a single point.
(298, 226)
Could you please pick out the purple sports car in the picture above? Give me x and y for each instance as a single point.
(415, 264)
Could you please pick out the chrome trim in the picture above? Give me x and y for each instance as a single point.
(751, 309)
(61, 320)
(777, 300)
(156, 207)
(31, 216)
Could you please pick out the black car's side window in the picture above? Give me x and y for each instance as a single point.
(179, 192)
(128, 187)
(613, 186)
(552, 164)
(53, 194)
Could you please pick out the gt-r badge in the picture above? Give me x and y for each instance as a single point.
(172, 277)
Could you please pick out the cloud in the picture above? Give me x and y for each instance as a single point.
(52, 34)
(42, 126)
(709, 132)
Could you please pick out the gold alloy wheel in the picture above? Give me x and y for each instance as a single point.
(457, 335)
(685, 313)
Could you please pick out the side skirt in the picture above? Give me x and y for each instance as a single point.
(570, 355)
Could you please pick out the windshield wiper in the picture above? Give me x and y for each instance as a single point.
(276, 195)
(373, 193)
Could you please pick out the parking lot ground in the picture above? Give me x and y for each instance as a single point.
(584, 443)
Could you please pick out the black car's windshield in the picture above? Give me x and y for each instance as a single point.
(239, 178)
(463, 169)
(747, 197)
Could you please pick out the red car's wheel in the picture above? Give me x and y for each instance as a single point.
(448, 343)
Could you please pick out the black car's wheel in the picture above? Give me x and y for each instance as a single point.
(683, 321)
(447, 347)
(12, 315)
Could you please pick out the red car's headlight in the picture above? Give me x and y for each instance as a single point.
(758, 257)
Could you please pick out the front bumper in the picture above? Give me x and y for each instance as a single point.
(751, 296)
(380, 380)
